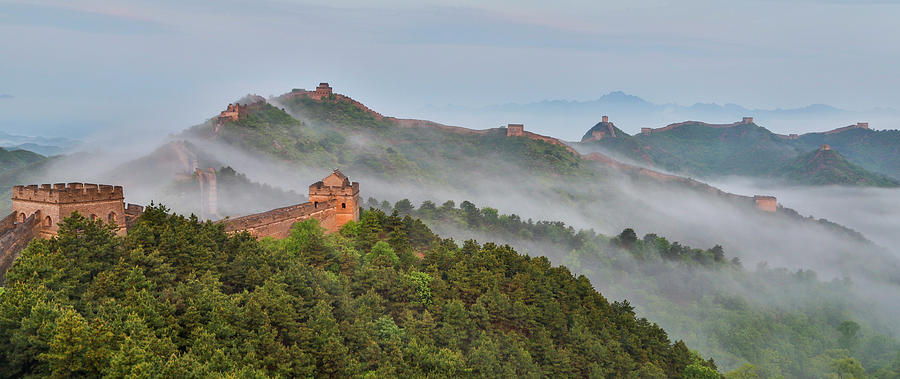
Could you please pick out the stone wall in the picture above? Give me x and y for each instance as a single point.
(277, 223)
(14, 240)
(646, 131)
(766, 203)
(60, 200)
(345, 200)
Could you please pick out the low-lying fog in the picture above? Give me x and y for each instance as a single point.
(874, 212)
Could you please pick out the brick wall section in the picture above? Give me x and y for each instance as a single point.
(859, 125)
(277, 223)
(60, 200)
(646, 131)
(132, 212)
(14, 240)
(345, 197)
(8, 222)
(766, 203)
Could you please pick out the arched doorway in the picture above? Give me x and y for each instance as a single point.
(111, 218)
(21, 218)
(48, 222)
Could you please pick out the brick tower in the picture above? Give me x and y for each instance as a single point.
(58, 201)
(337, 187)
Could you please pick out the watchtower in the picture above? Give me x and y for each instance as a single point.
(58, 201)
(862, 125)
(747, 120)
(766, 203)
(337, 187)
(515, 130)
(323, 90)
(604, 119)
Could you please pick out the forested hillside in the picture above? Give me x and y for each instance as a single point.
(764, 321)
(825, 166)
(385, 297)
(699, 149)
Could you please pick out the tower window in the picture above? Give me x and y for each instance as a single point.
(21, 217)
(343, 205)
(111, 217)
(316, 204)
(48, 222)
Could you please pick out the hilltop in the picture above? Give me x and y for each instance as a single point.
(745, 148)
(826, 166)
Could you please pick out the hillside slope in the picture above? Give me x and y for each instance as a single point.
(873, 150)
(826, 166)
(357, 303)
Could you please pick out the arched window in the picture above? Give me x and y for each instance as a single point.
(48, 222)
(93, 217)
(316, 204)
(21, 217)
(344, 205)
(112, 217)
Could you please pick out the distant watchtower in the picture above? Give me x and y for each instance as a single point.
(323, 90)
(747, 120)
(766, 203)
(337, 187)
(58, 201)
(515, 130)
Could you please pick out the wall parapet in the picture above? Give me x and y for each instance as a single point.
(277, 215)
(62, 193)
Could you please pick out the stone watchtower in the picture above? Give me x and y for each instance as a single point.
(337, 187)
(766, 203)
(515, 130)
(58, 201)
(323, 90)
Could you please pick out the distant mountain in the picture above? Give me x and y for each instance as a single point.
(42, 145)
(17, 158)
(632, 112)
(744, 148)
(825, 166)
(46, 150)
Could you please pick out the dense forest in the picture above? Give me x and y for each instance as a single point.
(385, 297)
(766, 321)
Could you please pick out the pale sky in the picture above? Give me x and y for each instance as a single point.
(76, 68)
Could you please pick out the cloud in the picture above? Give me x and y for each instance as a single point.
(76, 20)
(6, 96)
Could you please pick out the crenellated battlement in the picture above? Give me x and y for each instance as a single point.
(67, 193)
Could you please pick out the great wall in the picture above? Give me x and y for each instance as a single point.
(37, 210)
(325, 92)
(333, 201)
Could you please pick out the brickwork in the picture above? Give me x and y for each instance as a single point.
(515, 130)
(766, 203)
(277, 223)
(859, 125)
(60, 200)
(333, 201)
(646, 131)
(14, 240)
(323, 90)
(337, 187)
